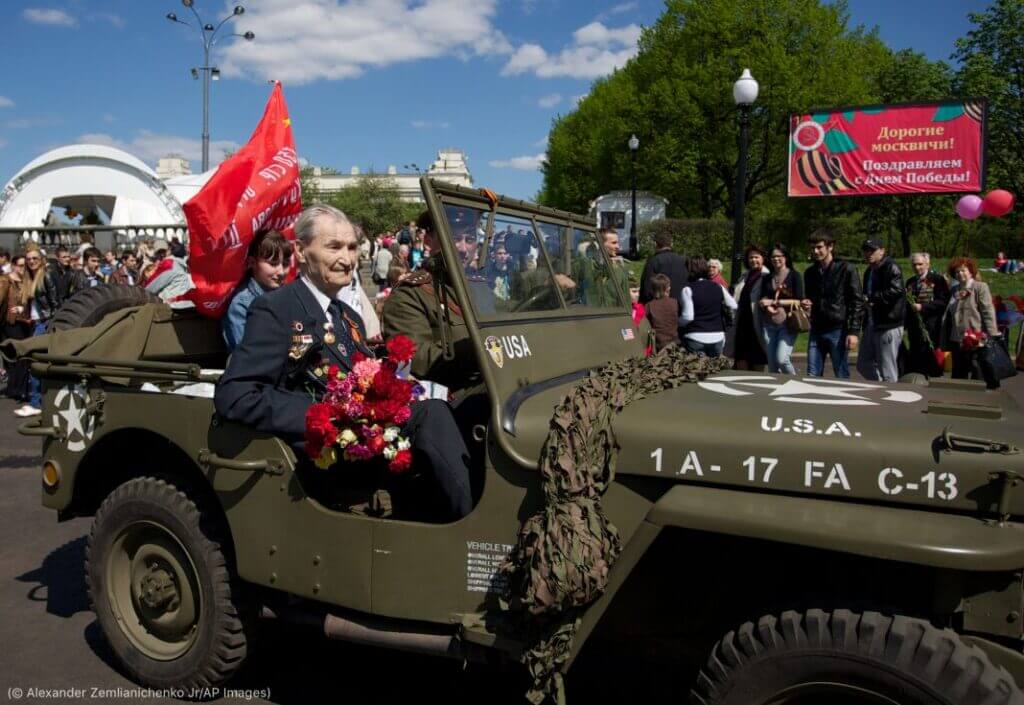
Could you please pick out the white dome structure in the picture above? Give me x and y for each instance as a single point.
(105, 182)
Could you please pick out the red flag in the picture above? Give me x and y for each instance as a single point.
(254, 190)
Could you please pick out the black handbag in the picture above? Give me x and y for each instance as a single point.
(995, 361)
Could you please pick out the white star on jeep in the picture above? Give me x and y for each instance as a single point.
(74, 417)
(795, 387)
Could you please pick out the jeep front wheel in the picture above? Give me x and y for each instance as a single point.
(161, 587)
(847, 658)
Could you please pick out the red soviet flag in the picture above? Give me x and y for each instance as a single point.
(254, 190)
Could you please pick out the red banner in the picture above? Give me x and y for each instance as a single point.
(254, 190)
(893, 149)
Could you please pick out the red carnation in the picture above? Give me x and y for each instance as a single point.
(376, 444)
(401, 462)
(401, 349)
(320, 429)
(358, 356)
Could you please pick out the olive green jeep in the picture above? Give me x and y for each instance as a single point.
(794, 540)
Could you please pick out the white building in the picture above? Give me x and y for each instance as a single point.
(88, 184)
(449, 166)
(615, 210)
(100, 185)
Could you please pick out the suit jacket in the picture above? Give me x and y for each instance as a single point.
(271, 381)
(671, 265)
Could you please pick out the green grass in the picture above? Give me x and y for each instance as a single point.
(1003, 285)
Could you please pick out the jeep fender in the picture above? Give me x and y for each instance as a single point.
(949, 541)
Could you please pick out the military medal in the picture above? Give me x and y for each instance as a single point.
(329, 334)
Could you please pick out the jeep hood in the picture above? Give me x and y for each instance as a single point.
(895, 443)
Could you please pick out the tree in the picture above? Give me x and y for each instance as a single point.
(992, 66)
(374, 202)
(676, 95)
(909, 76)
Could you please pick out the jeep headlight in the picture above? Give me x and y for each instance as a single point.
(51, 475)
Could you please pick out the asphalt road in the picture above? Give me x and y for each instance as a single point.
(51, 640)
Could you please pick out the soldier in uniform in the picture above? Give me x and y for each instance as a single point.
(276, 372)
(413, 309)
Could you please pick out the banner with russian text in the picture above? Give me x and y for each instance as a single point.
(255, 189)
(888, 149)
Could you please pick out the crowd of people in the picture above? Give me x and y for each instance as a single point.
(840, 310)
(686, 300)
(34, 284)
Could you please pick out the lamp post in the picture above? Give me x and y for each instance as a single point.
(634, 146)
(208, 35)
(744, 92)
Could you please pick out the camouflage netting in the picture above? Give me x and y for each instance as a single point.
(564, 553)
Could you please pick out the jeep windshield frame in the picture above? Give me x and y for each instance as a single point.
(501, 255)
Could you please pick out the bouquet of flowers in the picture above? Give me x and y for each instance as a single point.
(361, 414)
(973, 339)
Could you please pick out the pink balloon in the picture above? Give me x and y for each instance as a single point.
(998, 203)
(969, 207)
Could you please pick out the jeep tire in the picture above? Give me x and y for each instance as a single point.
(88, 307)
(848, 658)
(161, 586)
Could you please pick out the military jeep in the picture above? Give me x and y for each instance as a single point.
(790, 540)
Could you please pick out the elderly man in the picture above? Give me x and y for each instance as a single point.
(929, 296)
(270, 381)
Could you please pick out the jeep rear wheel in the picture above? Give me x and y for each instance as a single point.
(161, 587)
(88, 307)
(847, 658)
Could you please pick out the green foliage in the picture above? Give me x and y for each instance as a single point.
(676, 95)
(992, 66)
(711, 237)
(374, 203)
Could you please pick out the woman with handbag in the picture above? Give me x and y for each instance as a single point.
(969, 313)
(782, 319)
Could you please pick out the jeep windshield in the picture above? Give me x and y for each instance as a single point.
(524, 261)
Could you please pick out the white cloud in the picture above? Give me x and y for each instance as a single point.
(29, 123)
(524, 163)
(150, 146)
(43, 15)
(619, 9)
(6, 102)
(307, 40)
(114, 20)
(550, 101)
(542, 142)
(427, 125)
(596, 50)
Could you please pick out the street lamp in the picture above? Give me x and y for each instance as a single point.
(634, 145)
(208, 35)
(744, 92)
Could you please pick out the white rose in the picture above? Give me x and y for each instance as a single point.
(403, 444)
(390, 453)
(391, 434)
(347, 437)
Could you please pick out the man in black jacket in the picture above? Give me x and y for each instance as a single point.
(884, 313)
(834, 301)
(663, 261)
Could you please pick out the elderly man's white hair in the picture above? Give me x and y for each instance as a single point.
(715, 263)
(921, 255)
(307, 220)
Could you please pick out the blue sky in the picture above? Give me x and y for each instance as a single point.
(369, 83)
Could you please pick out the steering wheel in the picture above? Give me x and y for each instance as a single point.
(527, 303)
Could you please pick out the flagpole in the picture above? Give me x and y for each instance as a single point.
(208, 35)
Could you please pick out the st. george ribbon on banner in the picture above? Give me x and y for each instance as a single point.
(255, 189)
